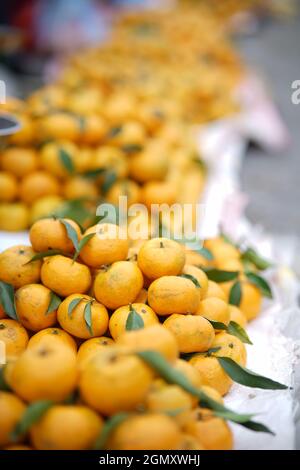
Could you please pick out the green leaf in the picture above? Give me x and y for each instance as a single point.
(236, 330)
(7, 299)
(32, 414)
(88, 317)
(207, 254)
(191, 278)
(41, 144)
(110, 178)
(66, 160)
(190, 244)
(73, 304)
(71, 232)
(261, 283)
(217, 275)
(227, 239)
(110, 425)
(217, 324)
(95, 173)
(44, 254)
(114, 131)
(247, 265)
(82, 243)
(74, 210)
(246, 377)
(235, 295)
(252, 256)
(134, 320)
(200, 163)
(210, 352)
(132, 148)
(258, 427)
(173, 376)
(3, 385)
(54, 303)
(233, 329)
(249, 424)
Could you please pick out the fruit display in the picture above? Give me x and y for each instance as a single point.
(183, 60)
(231, 9)
(228, 8)
(106, 350)
(114, 341)
(120, 120)
(71, 179)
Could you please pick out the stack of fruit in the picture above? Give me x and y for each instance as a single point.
(77, 169)
(119, 121)
(116, 344)
(228, 8)
(181, 61)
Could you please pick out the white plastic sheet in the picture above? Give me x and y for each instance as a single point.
(276, 332)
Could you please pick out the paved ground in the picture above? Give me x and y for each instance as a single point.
(272, 181)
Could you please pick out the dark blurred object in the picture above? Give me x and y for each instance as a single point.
(18, 15)
(8, 124)
(11, 40)
(16, 35)
(22, 65)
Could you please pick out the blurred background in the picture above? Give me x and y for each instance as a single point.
(271, 178)
(35, 35)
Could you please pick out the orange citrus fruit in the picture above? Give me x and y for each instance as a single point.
(11, 411)
(173, 294)
(16, 267)
(14, 337)
(43, 372)
(75, 321)
(161, 257)
(192, 332)
(155, 338)
(109, 244)
(117, 322)
(119, 285)
(32, 302)
(66, 427)
(114, 381)
(64, 276)
(51, 234)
